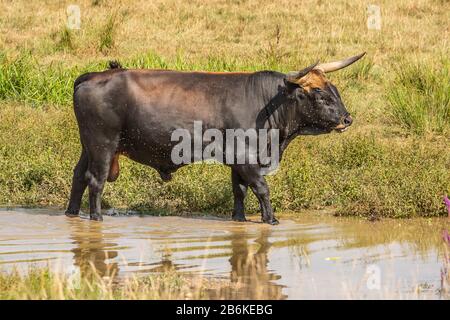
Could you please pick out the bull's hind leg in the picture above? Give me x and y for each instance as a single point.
(97, 173)
(98, 168)
(79, 185)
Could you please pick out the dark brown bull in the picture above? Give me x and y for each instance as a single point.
(134, 112)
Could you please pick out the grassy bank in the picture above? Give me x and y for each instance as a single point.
(393, 162)
(419, 97)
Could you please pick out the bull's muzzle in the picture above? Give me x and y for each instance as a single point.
(345, 123)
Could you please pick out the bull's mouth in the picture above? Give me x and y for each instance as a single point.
(341, 128)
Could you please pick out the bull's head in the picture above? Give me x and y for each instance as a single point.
(317, 99)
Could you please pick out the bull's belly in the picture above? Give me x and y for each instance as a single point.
(147, 151)
(148, 142)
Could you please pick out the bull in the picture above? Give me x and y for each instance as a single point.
(133, 113)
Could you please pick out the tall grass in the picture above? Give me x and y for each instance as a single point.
(108, 33)
(419, 97)
(65, 39)
(23, 79)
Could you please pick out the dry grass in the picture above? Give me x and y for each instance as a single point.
(309, 29)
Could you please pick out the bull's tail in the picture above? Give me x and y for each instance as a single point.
(84, 77)
(114, 64)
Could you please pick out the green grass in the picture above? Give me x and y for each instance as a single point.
(420, 97)
(22, 79)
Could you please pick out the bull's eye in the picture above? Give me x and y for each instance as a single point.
(317, 90)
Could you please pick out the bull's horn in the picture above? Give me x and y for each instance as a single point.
(294, 76)
(334, 66)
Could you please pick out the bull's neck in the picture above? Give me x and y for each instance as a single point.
(276, 113)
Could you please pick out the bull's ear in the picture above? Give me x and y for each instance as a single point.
(289, 86)
(295, 76)
(292, 90)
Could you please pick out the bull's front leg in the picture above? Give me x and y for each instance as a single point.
(261, 191)
(251, 175)
(239, 192)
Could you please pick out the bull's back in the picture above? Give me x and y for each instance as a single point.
(171, 95)
(180, 97)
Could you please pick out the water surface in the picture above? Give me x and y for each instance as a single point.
(312, 256)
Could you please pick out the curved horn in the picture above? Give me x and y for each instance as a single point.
(294, 76)
(334, 66)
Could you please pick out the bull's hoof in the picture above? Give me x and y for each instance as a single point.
(71, 214)
(96, 217)
(272, 221)
(239, 218)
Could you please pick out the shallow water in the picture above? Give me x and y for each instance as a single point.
(313, 256)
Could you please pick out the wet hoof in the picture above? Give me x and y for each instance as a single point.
(71, 214)
(272, 221)
(96, 217)
(239, 218)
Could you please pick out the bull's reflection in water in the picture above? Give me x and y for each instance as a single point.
(95, 250)
(92, 251)
(250, 276)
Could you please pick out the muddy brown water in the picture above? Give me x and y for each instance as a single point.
(312, 256)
